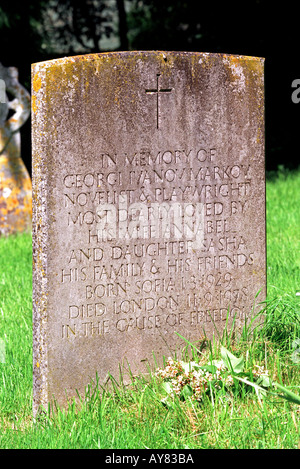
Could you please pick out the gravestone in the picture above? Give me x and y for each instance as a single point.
(149, 209)
(15, 182)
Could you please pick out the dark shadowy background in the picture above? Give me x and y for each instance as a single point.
(37, 30)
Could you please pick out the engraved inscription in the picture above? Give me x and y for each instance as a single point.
(180, 205)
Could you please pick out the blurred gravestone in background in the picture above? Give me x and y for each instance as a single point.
(15, 182)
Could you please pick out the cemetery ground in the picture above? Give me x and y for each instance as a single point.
(143, 415)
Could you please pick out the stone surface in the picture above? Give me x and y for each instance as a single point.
(149, 208)
(15, 182)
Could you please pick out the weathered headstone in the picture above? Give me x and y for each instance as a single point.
(15, 182)
(149, 208)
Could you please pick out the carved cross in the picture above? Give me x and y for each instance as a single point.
(157, 91)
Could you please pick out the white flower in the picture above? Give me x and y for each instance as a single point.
(260, 371)
(229, 380)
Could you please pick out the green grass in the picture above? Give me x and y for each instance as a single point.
(134, 416)
(283, 233)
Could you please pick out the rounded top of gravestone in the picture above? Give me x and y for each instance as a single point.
(165, 55)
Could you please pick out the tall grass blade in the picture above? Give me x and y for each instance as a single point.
(288, 395)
